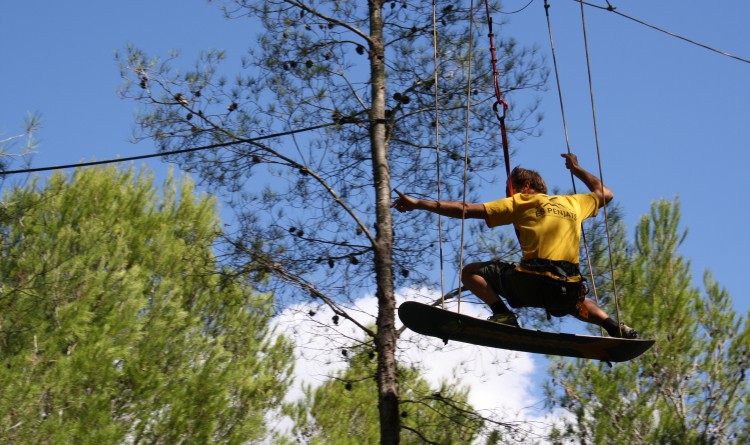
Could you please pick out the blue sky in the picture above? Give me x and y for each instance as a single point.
(672, 117)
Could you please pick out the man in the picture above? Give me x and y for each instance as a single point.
(549, 231)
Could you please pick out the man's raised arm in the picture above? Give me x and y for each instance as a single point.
(451, 209)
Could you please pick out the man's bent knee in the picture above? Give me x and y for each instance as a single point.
(470, 270)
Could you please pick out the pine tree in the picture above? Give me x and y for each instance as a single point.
(118, 326)
(690, 387)
(335, 103)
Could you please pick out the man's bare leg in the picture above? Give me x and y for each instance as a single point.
(590, 312)
(482, 289)
(478, 285)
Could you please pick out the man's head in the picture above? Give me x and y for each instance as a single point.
(527, 181)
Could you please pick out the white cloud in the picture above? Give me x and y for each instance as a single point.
(497, 379)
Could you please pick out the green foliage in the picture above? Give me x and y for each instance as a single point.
(343, 410)
(116, 326)
(690, 387)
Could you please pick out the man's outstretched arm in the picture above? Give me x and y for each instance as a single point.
(451, 209)
(592, 182)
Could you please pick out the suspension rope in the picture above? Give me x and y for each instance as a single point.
(466, 151)
(601, 174)
(437, 145)
(567, 144)
(500, 106)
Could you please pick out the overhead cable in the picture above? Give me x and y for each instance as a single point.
(613, 9)
(518, 10)
(165, 153)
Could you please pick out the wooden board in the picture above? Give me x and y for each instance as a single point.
(447, 325)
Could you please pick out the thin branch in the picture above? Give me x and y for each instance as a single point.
(330, 19)
(298, 281)
(421, 436)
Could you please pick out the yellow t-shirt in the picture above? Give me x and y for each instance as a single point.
(548, 227)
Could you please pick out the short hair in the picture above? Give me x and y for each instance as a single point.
(519, 176)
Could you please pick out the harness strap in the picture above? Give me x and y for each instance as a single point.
(563, 273)
(558, 270)
(548, 274)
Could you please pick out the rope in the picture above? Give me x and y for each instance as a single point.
(499, 102)
(567, 144)
(500, 108)
(437, 146)
(599, 159)
(466, 151)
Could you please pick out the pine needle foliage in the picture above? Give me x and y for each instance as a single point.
(690, 388)
(118, 326)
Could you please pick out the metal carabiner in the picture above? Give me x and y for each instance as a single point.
(495, 107)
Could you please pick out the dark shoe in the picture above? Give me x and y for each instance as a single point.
(507, 318)
(627, 332)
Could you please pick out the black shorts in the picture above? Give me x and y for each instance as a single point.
(523, 289)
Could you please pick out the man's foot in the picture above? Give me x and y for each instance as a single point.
(508, 318)
(627, 332)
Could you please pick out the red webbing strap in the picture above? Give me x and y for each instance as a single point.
(499, 112)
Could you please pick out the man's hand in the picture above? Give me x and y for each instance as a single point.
(404, 203)
(571, 162)
(592, 182)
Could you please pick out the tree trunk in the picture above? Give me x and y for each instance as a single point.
(386, 336)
